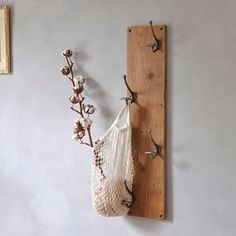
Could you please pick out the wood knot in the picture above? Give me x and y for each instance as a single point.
(142, 168)
(150, 75)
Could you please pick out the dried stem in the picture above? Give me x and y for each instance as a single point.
(80, 111)
(90, 137)
(70, 64)
(72, 108)
(71, 80)
(81, 142)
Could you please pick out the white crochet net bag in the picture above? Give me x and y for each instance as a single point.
(113, 169)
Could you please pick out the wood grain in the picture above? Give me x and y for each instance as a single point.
(146, 75)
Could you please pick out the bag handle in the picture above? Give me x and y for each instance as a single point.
(124, 110)
(128, 116)
(120, 114)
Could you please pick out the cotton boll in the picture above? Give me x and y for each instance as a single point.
(89, 109)
(74, 99)
(67, 53)
(78, 89)
(86, 108)
(85, 122)
(79, 79)
(65, 70)
(76, 80)
(80, 134)
(77, 125)
(77, 129)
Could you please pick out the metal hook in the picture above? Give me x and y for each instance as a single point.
(126, 202)
(157, 151)
(156, 45)
(133, 96)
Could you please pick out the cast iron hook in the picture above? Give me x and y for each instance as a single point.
(133, 96)
(126, 202)
(156, 45)
(157, 151)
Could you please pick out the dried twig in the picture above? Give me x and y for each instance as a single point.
(82, 125)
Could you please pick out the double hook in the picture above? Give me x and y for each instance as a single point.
(133, 96)
(128, 203)
(157, 148)
(156, 45)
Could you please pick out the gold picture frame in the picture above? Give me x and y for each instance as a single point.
(4, 40)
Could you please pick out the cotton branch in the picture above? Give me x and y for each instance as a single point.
(82, 125)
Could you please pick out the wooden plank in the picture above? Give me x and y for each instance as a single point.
(146, 75)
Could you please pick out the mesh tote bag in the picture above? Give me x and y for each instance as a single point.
(113, 169)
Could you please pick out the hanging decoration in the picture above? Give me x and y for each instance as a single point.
(82, 125)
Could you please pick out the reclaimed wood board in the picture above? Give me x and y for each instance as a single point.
(146, 75)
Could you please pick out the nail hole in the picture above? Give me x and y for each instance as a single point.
(161, 215)
(161, 28)
(129, 30)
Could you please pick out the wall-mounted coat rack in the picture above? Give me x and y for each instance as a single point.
(146, 85)
(146, 74)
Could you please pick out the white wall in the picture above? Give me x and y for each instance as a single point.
(45, 177)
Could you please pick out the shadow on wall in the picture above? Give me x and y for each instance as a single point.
(95, 89)
(149, 226)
